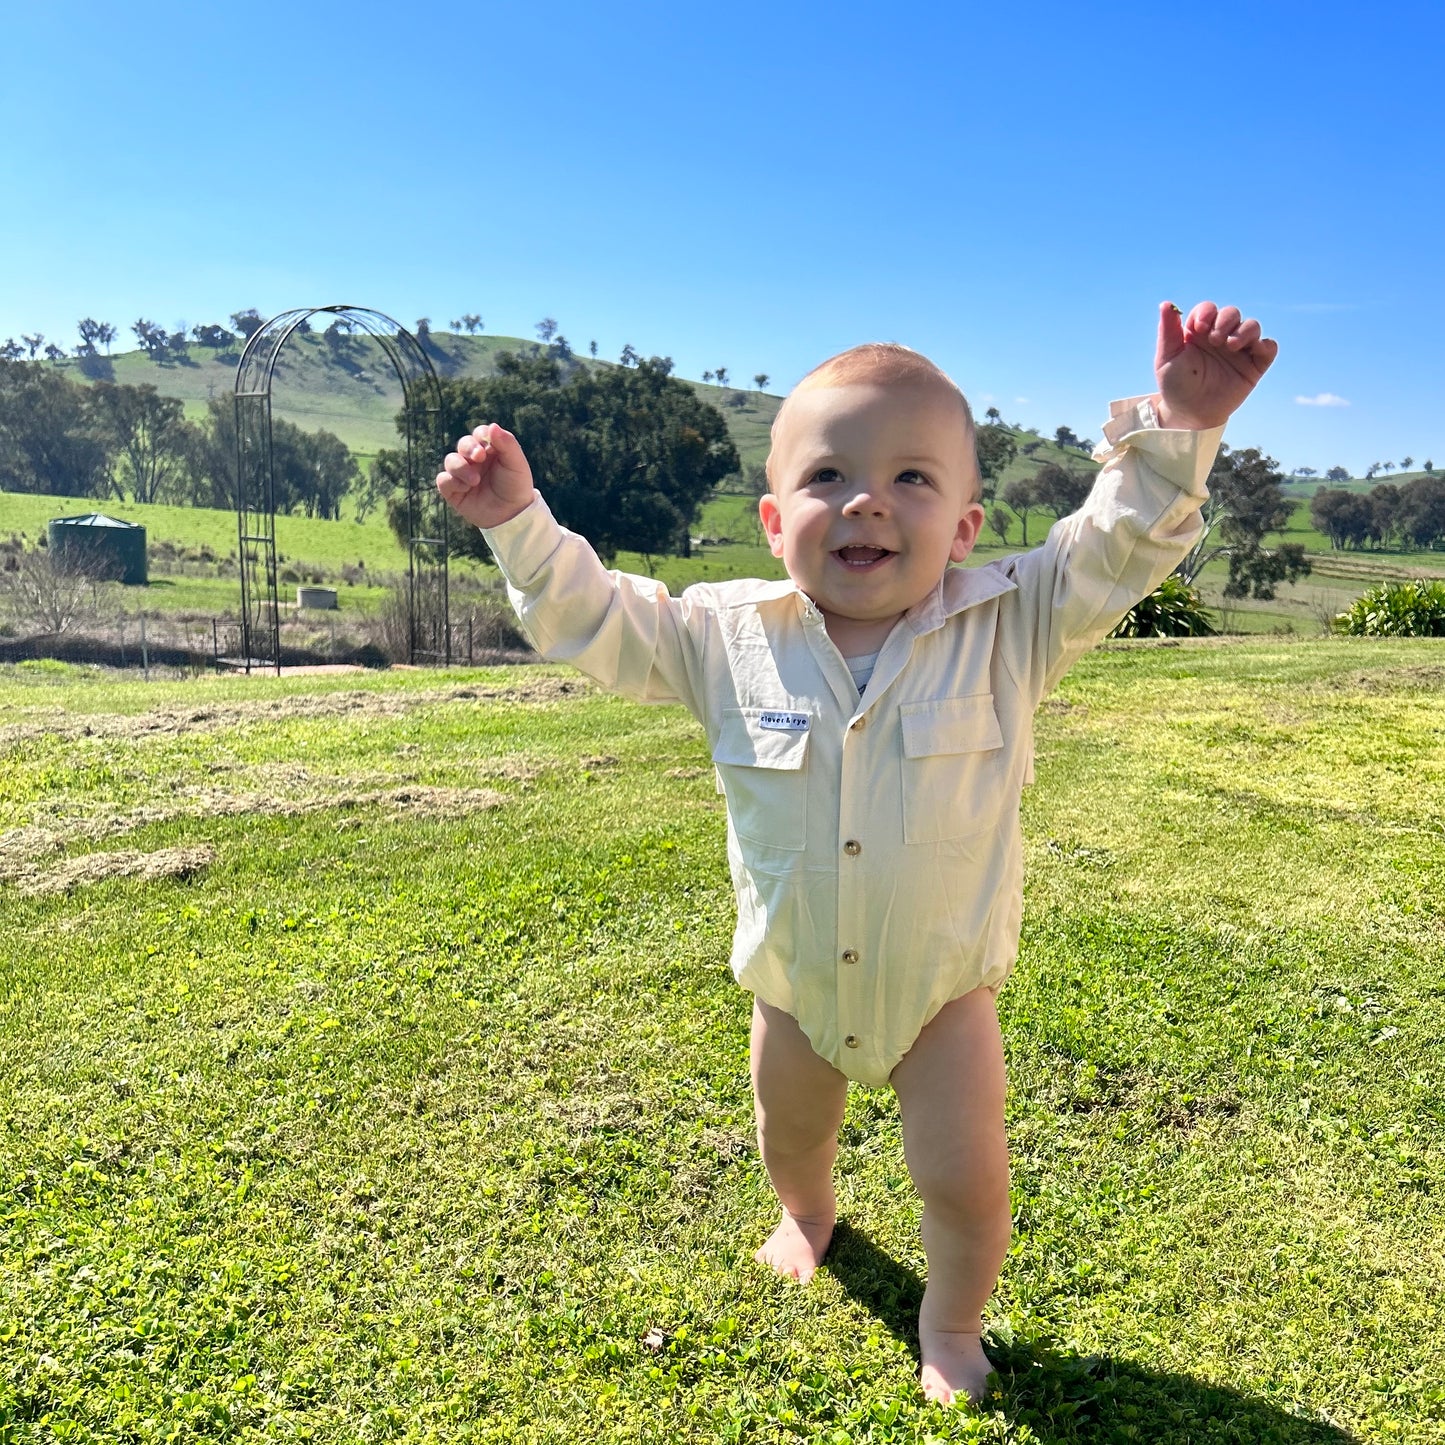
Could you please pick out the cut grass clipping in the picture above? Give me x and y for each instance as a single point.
(370, 1070)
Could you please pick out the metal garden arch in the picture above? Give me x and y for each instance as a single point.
(428, 629)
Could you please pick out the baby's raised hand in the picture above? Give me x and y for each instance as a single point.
(487, 481)
(1207, 363)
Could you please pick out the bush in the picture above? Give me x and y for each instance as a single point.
(1173, 609)
(1397, 609)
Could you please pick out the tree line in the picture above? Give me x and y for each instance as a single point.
(129, 443)
(1409, 515)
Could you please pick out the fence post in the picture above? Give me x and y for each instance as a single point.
(469, 639)
(145, 657)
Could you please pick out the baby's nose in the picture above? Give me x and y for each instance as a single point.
(865, 500)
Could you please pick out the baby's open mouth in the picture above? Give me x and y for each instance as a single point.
(856, 556)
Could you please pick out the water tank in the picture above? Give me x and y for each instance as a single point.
(110, 548)
(321, 598)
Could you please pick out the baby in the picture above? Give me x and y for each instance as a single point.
(871, 722)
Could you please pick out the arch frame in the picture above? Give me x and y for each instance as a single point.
(428, 586)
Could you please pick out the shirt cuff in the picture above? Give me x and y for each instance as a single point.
(524, 544)
(1179, 456)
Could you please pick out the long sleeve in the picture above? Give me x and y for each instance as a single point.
(1138, 522)
(625, 632)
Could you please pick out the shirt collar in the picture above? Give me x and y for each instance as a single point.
(958, 589)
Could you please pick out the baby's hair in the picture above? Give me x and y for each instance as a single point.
(886, 363)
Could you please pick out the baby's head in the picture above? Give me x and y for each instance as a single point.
(873, 487)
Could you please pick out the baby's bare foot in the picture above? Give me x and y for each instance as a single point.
(796, 1247)
(954, 1365)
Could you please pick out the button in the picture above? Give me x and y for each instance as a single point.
(857, 723)
(852, 847)
(851, 1041)
(850, 955)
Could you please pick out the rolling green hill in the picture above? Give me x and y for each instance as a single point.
(357, 396)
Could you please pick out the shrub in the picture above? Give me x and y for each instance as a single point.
(1397, 609)
(1172, 609)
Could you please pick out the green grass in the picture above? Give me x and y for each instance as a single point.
(415, 1100)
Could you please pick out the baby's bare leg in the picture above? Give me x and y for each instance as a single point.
(799, 1099)
(951, 1094)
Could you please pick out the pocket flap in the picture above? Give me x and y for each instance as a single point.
(951, 725)
(744, 741)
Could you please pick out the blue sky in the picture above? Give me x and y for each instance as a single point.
(1009, 188)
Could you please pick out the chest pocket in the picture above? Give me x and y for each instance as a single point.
(954, 778)
(764, 774)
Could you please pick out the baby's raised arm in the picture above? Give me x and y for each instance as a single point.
(487, 480)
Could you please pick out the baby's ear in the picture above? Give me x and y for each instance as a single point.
(966, 534)
(771, 516)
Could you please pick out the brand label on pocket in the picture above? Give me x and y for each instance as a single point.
(787, 722)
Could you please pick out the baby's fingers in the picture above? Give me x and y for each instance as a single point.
(1200, 321)
(1224, 323)
(461, 468)
(1243, 335)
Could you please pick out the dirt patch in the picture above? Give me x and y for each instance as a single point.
(20, 846)
(95, 867)
(1395, 679)
(170, 722)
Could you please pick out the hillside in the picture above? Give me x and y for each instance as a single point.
(356, 396)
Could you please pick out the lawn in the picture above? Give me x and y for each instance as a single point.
(370, 1070)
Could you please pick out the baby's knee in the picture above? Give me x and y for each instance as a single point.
(961, 1186)
(798, 1130)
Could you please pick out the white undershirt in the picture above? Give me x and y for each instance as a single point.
(861, 669)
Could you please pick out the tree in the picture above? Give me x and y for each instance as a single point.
(1406, 463)
(49, 438)
(1245, 505)
(93, 333)
(1019, 496)
(1429, 466)
(722, 375)
(11, 349)
(592, 347)
(995, 447)
(760, 380)
(1422, 511)
(1337, 474)
(1346, 518)
(629, 358)
(628, 454)
(248, 322)
(546, 329)
(1385, 504)
(993, 416)
(148, 434)
(707, 376)
(153, 338)
(561, 348)
(1305, 472)
(54, 353)
(48, 593)
(1388, 466)
(1064, 437)
(34, 343)
(1001, 522)
(472, 322)
(214, 338)
(1060, 490)
(176, 345)
(423, 331)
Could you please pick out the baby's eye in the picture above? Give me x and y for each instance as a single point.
(912, 479)
(828, 475)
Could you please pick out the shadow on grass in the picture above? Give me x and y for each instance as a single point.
(1069, 1399)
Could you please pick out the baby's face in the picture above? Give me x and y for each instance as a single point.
(872, 497)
